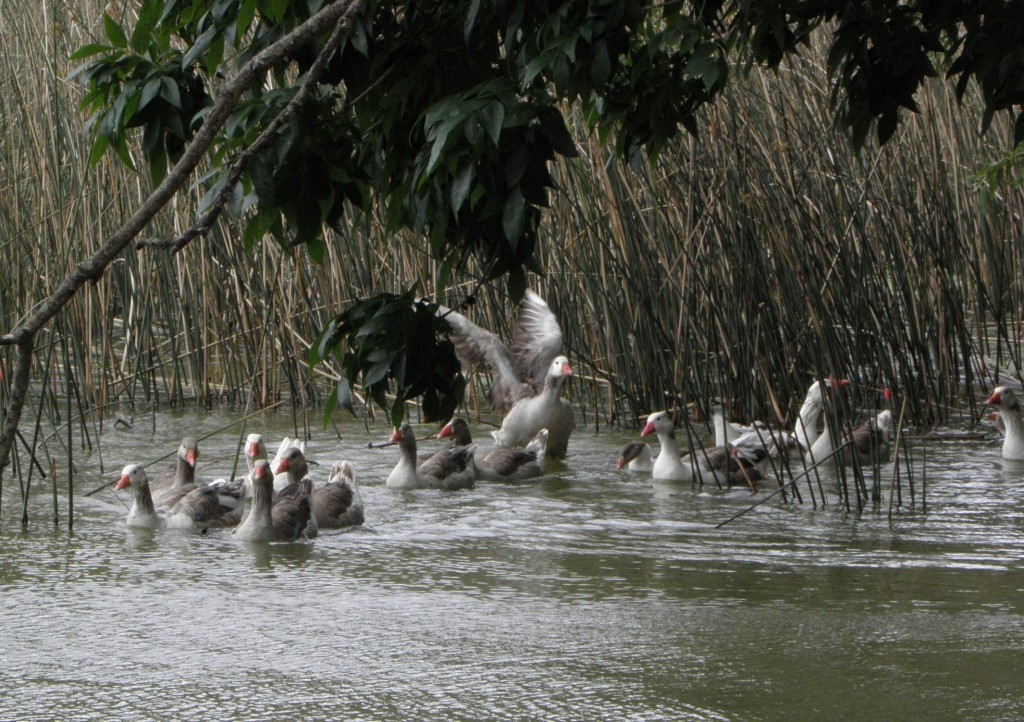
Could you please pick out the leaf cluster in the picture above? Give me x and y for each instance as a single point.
(393, 340)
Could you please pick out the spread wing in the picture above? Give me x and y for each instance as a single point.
(538, 339)
(474, 344)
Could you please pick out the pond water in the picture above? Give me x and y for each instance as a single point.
(589, 595)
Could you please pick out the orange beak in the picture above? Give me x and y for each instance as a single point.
(124, 483)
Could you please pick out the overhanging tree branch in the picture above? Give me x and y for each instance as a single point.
(206, 221)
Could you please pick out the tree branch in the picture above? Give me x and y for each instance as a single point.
(206, 221)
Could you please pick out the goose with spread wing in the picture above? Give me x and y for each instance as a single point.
(528, 377)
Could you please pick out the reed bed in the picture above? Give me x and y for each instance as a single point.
(740, 265)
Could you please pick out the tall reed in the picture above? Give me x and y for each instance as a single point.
(741, 265)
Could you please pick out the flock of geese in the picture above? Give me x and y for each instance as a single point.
(276, 500)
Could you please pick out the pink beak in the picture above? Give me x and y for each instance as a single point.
(397, 436)
(620, 463)
(648, 430)
(251, 450)
(191, 456)
(995, 399)
(445, 432)
(282, 466)
(566, 370)
(124, 483)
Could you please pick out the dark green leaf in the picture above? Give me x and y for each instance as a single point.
(512, 217)
(114, 33)
(88, 50)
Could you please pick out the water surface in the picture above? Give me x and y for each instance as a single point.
(592, 594)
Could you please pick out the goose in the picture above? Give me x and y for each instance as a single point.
(737, 463)
(809, 417)
(198, 509)
(232, 493)
(447, 469)
(528, 376)
(282, 479)
(1008, 408)
(868, 442)
(502, 463)
(728, 431)
(294, 469)
(337, 503)
(142, 514)
(171, 487)
(636, 455)
(287, 520)
(755, 441)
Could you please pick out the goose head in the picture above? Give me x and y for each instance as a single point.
(189, 451)
(630, 452)
(818, 390)
(458, 429)
(660, 422)
(262, 477)
(132, 476)
(294, 463)
(560, 367)
(1003, 398)
(254, 447)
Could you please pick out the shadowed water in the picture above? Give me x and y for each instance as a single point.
(591, 594)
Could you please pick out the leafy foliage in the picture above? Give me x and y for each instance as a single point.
(377, 333)
(448, 114)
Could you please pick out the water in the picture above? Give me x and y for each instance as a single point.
(590, 595)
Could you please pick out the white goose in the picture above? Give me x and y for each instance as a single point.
(667, 466)
(869, 443)
(740, 462)
(811, 410)
(528, 377)
(1008, 408)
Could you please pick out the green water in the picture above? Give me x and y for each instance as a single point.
(590, 595)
